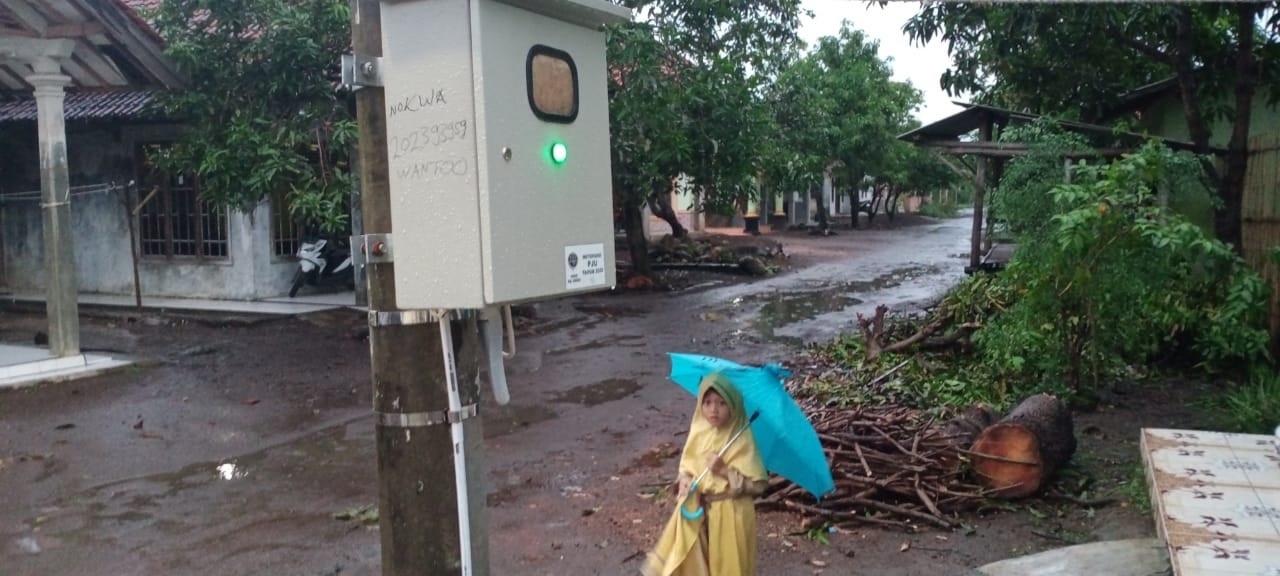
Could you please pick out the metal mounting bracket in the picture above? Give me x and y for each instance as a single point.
(372, 249)
(402, 317)
(359, 71)
(421, 419)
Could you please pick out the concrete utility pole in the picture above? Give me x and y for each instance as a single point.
(417, 499)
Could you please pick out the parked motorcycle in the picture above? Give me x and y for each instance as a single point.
(323, 261)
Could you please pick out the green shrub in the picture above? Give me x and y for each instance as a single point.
(1114, 277)
(939, 210)
(1252, 407)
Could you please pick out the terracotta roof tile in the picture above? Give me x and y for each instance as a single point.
(135, 9)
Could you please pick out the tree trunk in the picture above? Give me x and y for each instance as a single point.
(633, 222)
(661, 206)
(1227, 221)
(1016, 456)
(824, 217)
(877, 193)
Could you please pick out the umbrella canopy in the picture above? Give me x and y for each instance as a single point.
(785, 438)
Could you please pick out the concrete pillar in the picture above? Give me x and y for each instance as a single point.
(828, 200)
(55, 203)
(698, 218)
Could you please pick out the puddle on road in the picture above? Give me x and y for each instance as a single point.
(229, 471)
(174, 502)
(784, 308)
(599, 393)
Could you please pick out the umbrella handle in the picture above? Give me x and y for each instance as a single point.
(696, 514)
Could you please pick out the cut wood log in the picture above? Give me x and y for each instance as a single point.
(1016, 456)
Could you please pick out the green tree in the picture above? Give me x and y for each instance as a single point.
(261, 110)
(802, 123)
(910, 169)
(839, 110)
(1110, 276)
(649, 138)
(685, 98)
(1075, 58)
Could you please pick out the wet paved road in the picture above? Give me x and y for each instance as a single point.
(232, 458)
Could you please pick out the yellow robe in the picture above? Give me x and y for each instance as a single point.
(723, 541)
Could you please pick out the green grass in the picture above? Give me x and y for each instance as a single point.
(1135, 490)
(1252, 407)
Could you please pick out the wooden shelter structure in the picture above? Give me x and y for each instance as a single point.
(951, 138)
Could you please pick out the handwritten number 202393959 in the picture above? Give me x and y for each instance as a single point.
(428, 136)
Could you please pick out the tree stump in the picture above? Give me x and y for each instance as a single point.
(1017, 455)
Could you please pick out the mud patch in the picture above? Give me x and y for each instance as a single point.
(500, 421)
(655, 457)
(612, 311)
(598, 393)
(619, 340)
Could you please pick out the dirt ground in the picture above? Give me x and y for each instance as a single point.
(231, 447)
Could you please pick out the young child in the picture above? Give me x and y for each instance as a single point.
(722, 542)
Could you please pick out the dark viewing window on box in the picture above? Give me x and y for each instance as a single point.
(552, 81)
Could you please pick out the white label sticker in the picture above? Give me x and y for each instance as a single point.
(584, 266)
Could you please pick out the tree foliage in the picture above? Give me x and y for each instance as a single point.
(1079, 59)
(1114, 277)
(837, 106)
(685, 86)
(261, 110)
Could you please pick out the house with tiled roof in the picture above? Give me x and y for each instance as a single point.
(109, 66)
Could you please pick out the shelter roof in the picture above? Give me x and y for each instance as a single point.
(114, 47)
(974, 116)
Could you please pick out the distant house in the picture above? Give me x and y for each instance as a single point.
(186, 247)
(1157, 108)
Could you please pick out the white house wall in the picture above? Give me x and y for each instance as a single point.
(101, 232)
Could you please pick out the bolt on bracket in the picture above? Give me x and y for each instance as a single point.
(359, 71)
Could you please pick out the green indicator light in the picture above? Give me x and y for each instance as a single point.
(559, 152)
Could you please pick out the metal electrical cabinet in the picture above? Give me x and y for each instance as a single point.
(498, 142)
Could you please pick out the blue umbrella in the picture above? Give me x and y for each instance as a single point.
(785, 438)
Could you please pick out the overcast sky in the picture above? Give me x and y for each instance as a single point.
(921, 65)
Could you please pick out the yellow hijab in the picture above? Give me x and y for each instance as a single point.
(706, 439)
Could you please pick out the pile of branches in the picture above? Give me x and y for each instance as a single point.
(939, 332)
(893, 466)
(714, 254)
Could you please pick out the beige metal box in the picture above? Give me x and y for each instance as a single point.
(498, 142)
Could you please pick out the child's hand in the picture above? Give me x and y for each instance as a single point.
(683, 490)
(716, 465)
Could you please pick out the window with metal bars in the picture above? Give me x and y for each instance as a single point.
(286, 234)
(173, 222)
